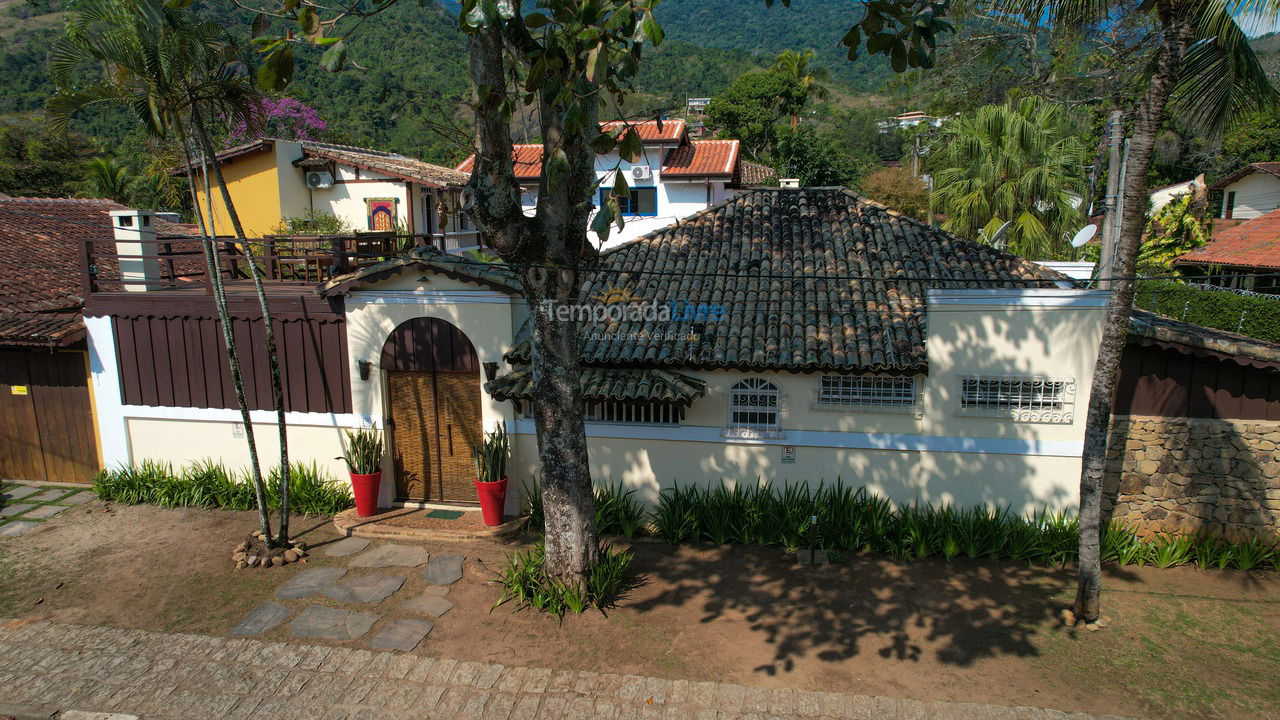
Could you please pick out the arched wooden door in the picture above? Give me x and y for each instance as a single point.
(433, 410)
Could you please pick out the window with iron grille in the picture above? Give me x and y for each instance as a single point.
(1028, 399)
(621, 413)
(612, 411)
(754, 407)
(868, 391)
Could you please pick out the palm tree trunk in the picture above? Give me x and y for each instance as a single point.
(273, 358)
(214, 277)
(1177, 34)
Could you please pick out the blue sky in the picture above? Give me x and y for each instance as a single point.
(1255, 24)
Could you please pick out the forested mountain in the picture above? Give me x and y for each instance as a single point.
(411, 64)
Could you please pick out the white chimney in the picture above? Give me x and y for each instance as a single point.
(789, 182)
(135, 232)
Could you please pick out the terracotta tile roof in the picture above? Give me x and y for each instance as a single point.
(702, 158)
(394, 164)
(643, 385)
(808, 279)
(40, 270)
(1251, 244)
(527, 161)
(752, 173)
(1271, 168)
(650, 134)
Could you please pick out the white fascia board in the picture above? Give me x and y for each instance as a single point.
(1020, 297)
(257, 417)
(428, 297)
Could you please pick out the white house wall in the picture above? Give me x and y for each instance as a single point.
(1255, 194)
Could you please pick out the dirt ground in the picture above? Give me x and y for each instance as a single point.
(1182, 643)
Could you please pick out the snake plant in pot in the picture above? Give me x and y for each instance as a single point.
(363, 455)
(491, 473)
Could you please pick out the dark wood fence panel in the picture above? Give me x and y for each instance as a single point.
(180, 361)
(1163, 382)
(46, 418)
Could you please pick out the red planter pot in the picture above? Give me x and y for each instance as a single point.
(365, 488)
(493, 500)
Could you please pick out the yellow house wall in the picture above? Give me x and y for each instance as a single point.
(180, 442)
(253, 182)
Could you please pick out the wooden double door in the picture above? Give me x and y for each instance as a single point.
(435, 421)
(46, 418)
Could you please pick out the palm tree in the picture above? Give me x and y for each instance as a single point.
(1202, 69)
(1017, 163)
(173, 74)
(104, 177)
(795, 67)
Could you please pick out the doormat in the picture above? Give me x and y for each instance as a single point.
(445, 514)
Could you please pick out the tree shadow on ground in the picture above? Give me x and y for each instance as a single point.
(956, 613)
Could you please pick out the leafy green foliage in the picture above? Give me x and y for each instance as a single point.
(1181, 226)
(813, 159)
(38, 162)
(211, 485)
(1020, 163)
(363, 452)
(617, 511)
(1252, 315)
(314, 222)
(525, 582)
(492, 455)
(753, 106)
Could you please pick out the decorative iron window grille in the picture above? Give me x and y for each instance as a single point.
(612, 411)
(1026, 399)
(620, 413)
(888, 393)
(755, 405)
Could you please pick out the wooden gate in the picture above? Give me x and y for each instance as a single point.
(433, 410)
(46, 419)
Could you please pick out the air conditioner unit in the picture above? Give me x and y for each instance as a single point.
(641, 172)
(319, 179)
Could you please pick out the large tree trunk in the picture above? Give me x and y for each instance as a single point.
(549, 248)
(1177, 34)
(214, 278)
(269, 334)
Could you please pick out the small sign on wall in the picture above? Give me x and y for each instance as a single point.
(237, 430)
(788, 454)
(18, 390)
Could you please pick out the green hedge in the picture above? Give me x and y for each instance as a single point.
(211, 485)
(849, 520)
(1219, 309)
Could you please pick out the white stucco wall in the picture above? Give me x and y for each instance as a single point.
(1255, 194)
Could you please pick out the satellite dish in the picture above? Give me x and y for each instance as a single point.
(998, 235)
(1084, 235)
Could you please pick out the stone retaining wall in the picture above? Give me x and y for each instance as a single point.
(1192, 474)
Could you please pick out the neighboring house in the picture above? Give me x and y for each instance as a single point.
(675, 177)
(910, 120)
(371, 190)
(1251, 191)
(45, 403)
(802, 335)
(1162, 196)
(1243, 257)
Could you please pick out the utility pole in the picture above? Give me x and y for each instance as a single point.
(1111, 205)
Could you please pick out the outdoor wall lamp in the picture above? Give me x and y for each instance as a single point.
(364, 366)
(490, 370)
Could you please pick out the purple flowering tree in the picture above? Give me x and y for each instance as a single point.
(285, 118)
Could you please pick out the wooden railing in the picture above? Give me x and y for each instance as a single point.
(179, 263)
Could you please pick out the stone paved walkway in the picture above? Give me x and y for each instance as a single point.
(24, 507)
(47, 667)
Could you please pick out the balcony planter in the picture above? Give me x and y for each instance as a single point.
(363, 455)
(491, 474)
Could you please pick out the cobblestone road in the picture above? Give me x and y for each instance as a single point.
(48, 667)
